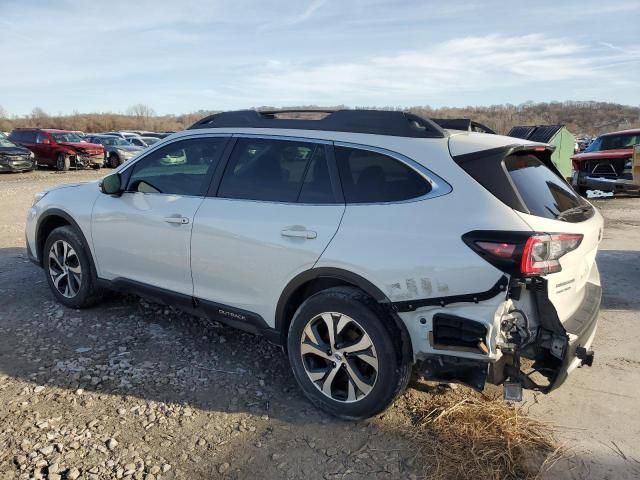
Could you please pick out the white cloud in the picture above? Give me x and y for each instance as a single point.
(462, 65)
(190, 54)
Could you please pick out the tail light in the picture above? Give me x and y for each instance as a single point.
(520, 253)
(542, 252)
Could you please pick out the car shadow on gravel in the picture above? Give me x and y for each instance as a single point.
(197, 395)
(620, 274)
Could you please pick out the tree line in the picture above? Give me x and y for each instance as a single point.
(580, 117)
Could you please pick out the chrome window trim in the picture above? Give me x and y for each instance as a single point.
(439, 187)
(287, 138)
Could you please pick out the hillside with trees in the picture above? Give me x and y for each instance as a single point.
(580, 117)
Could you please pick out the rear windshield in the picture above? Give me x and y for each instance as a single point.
(543, 192)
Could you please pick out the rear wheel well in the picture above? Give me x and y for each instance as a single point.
(397, 329)
(44, 229)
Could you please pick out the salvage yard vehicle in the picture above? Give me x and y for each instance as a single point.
(607, 163)
(366, 243)
(58, 148)
(14, 158)
(116, 150)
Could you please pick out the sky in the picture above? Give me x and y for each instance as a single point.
(181, 56)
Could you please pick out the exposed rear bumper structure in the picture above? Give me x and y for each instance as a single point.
(558, 349)
(581, 328)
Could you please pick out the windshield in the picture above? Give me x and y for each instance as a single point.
(66, 137)
(613, 142)
(6, 143)
(150, 140)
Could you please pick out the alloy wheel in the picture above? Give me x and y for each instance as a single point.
(339, 357)
(65, 269)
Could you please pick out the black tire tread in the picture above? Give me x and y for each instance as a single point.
(404, 366)
(93, 294)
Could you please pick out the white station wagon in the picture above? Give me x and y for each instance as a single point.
(366, 243)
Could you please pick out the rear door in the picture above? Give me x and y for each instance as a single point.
(43, 148)
(277, 207)
(555, 208)
(27, 138)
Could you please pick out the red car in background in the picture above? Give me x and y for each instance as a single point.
(607, 163)
(59, 148)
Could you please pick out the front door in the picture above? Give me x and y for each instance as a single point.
(144, 234)
(276, 210)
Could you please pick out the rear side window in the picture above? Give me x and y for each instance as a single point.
(371, 177)
(24, 136)
(543, 192)
(273, 170)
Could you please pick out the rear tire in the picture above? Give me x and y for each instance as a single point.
(69, 270)
(357, 371)
(114, 161)
(62, 163)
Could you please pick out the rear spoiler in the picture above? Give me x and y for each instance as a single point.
(487, 168)
(465, 124)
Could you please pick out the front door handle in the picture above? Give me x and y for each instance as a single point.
(177, 219)
(308, 234)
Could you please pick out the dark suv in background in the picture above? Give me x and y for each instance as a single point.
(59, 148)
(14, 158)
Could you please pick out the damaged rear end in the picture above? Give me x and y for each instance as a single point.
(546, 319)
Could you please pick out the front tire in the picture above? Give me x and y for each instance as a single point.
(69, 270)
(114, 161)
(343, 354)
(62, 162)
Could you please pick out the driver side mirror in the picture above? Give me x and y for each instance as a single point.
(46, 141)
(111, 184)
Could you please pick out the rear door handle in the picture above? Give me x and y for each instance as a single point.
(308, 234)
(177, 219)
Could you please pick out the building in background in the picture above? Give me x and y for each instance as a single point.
(556, 135)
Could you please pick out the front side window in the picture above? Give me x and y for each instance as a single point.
(273, 170)
(67, 137)
(180, 168)
(31, 136)
(371, 177)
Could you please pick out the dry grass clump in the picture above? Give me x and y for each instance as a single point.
(465, 435)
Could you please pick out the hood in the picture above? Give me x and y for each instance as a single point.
(14, 151)
(89, 147)
(617, 153)
(70, 185)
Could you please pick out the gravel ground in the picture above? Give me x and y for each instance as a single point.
(136, 390)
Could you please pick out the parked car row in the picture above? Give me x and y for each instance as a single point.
(27, 148)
